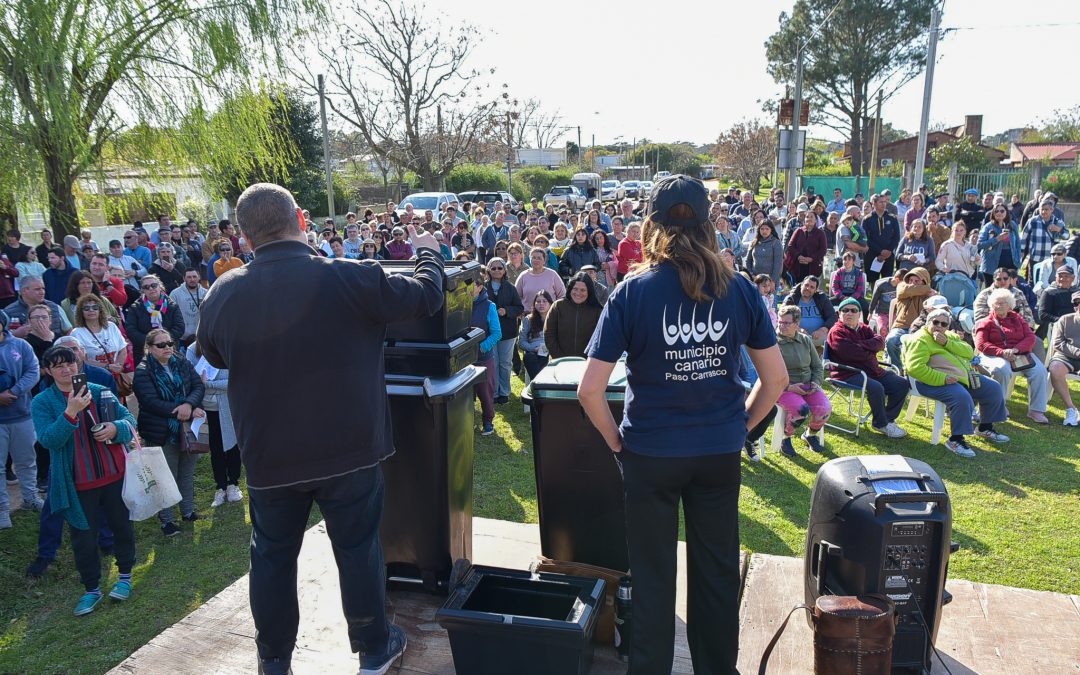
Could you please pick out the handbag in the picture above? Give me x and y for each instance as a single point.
(853, 635)
(604, 632)
(1022, 361)
(192, 443)
(149, 485)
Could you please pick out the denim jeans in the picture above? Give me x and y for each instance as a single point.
(893, 345)
(17, 442)
(885, 395)
(504, 354)
(960, 402)
(352, 506)
(182, 466)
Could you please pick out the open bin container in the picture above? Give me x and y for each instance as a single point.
(510, 621)
(427, 518)
(433, 359)
(579, 489)
(452, 319)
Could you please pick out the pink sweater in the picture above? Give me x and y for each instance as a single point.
(529, 284)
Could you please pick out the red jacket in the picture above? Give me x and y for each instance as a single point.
(857, 348)
(992, 336)
(115, 293)
(812, 244)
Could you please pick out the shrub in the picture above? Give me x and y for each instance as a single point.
(535, 181)
(475, 177)
(1065, 183)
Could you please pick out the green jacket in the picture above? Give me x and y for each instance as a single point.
(801, 358)
(920, 346)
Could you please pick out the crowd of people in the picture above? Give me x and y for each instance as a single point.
(912, 296)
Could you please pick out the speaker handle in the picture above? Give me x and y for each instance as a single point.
(824, 550)
(940, 498)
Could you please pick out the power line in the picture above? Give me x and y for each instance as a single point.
(1013, 26)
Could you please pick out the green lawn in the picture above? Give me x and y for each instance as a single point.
(1013, 506)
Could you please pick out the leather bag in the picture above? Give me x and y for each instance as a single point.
(853, 635)
(605, 623)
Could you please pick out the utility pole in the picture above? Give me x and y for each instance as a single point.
(877, 141)
(579, 144)
(924, 122)
(793, 140)
(438, 124)
(326, 149)
(509, 156)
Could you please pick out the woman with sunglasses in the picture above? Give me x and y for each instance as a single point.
(370, 250)
(804, 399)
(940, 362)
(170, 393)
(226, 261)
(152, 309)
(509, 308)
(99, 337)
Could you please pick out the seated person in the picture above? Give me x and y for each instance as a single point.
(940, 362)
(849, 282)
(1006, 342)
(804, 396)
(816, 312)
(1003, 278)
(1045, 272)
(910, 294)
(853, 343)
(1065, 358)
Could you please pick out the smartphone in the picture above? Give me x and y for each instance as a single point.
(78, 383)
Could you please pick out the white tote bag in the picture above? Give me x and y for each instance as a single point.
(149, 485)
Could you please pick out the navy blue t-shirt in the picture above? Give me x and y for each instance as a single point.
(683, 393)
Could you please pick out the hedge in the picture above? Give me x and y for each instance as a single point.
(1065, 183)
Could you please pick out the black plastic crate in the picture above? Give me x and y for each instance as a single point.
(452, 319)
(432, 359)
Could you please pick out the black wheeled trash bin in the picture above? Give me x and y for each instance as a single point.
(579, 489)
(427, 517)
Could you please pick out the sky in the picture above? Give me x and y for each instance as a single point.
(626, 69)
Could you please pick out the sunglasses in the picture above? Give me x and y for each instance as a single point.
(91, 308)
(150, 287)
(496, 269)
(850, 310)
(941, 324)
(1057, 253)
(1076, 303)
(165, 345)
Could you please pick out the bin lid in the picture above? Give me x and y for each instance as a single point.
(560, 379)
(454, 271)
(434, 388)
(473, 335)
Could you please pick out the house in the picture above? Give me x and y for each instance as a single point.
(904, 150)
(1053, 154)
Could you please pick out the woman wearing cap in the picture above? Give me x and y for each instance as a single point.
(681, 318)
(940, 362)
(369, 250)
(854, 344)
(1006, 342)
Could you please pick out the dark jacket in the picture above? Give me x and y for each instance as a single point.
(137, 323)
(569, 327)
(577, 256)
(882, 233)
(1054, 304)
(155, 411)
(507, 298)
(857, 348)
(824, 305)
(255, 320)
(171, 279)
(56, 282)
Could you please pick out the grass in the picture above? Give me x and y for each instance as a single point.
(1013, 513)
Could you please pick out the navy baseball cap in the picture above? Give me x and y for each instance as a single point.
(679, 189)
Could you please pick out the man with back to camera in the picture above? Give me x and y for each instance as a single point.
(253, 321)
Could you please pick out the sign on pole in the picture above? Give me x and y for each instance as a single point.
(787, 109)
(787, 158)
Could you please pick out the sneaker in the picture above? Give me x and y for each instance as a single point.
(991, 435)
(219, 499)
(5, 520)
(499, 400)
(751, 453)
(274, 667)
(170, 529)
(1037, 417)
(87, 603)
(121, 591)
(892, 430)
(36, 570)
(487, 430)
(192, 517)
(960, 448)
(379, 664)
(813, 441)
(33, 505)
(233, 494)
(12, 479)
(786, 448)
(1072, 418)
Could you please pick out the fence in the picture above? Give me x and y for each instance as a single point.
(850, 185)
(1011, 182)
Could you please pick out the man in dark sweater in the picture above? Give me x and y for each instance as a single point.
(254, 321)
(882, 235)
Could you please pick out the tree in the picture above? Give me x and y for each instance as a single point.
(1063, 126)
(968, 155)
(746, 152)
(534, 127)
(75, 74)
(400, 79)
(868, 46)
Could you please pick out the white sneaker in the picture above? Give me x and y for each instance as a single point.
(991, 435)
(1072, 417)
(232, 493)
(960, 448)
(219, 499)
(892, 430)
(5, 520)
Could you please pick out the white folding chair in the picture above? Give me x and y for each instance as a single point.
(915, 398)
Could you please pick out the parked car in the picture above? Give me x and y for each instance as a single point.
(660, 174)
(507, 197)
(646, 189)
(487, 196)
(612, 190)
(632, 188)
(436, 202)
(565, 195)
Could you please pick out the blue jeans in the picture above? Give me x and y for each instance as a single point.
(352, 506)
(960, 402)
(892, 346)
(51, 531)
(504, 354)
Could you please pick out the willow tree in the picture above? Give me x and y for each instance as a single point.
(89, 82)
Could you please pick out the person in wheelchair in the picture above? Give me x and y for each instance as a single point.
(853, 349)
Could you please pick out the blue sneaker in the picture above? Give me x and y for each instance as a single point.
(786, 448)
(87, 603)
(121, 591)
(378, 664)
(487, 430)
(813, 441)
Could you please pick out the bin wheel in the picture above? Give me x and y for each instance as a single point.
(458, 572)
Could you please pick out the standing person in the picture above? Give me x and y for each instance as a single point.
(187, 298)
(485, 316)
(882, 236)
(169, 393)
(1039, 235)
(224, 455)
(766, 253)
(509, 308)
(86, 481)
(152, 310)
(806, 248)
(999, 243)
(225, 261)
(18, 375)
(916, 248)
(107, 286)
(681, 437)
(970, 210)
(57, 276)
(243, 330)
(8, 273)
(101, 338)
(539, 277)
(629, 253)
(571, 320)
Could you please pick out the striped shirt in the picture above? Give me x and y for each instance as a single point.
(96, 464)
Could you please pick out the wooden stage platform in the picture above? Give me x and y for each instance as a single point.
(987, 629)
